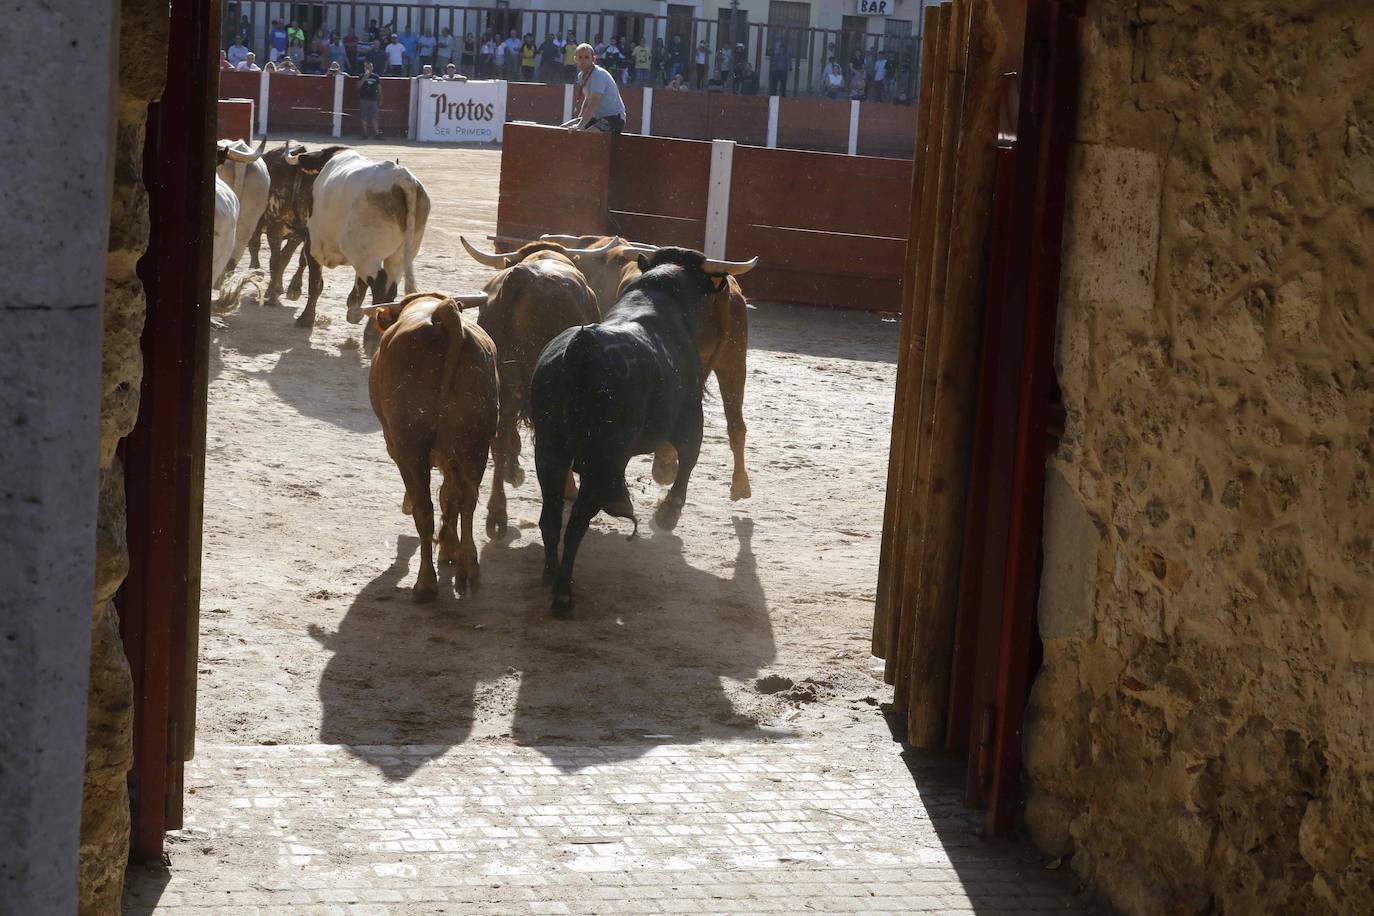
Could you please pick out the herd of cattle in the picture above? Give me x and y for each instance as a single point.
(602, 345)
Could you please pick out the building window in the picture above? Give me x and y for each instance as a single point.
(788, 22)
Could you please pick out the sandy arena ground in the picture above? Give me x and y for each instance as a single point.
(308, 631)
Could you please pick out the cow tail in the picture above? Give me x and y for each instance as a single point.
(448, 318)
(411, 194)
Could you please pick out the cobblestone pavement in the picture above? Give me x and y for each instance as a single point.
(785, 827)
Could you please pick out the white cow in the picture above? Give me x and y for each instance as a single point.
(226, 228)
(368, 215)
(244, 171)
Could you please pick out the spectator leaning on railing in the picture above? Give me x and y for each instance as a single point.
(249, 63)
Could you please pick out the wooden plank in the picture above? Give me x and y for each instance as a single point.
(303, 104)
(238, 84)
(809, 190)
(537, 102)
(814, 124)
(742, 118)
(997, 361)
(825, 254)
(884, 620)
(937, 314)
(529, 204)
(682, 115)
(656, 229)
(393, 114)
(955, 378)
(900, 625)
(633, 97)
(638, 165)
(867, 293)
(887, 130)
(234, 120)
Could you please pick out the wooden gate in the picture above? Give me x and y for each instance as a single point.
(954, 610)
(164, 456)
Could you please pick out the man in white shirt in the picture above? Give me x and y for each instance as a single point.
(250, 63)
(395, 57)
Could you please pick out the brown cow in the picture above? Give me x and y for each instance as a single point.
(433, 385)
(723, 343)
(536, 293)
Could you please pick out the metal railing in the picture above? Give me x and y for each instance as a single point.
(738, 54)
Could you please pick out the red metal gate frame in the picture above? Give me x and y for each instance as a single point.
(997, 644)
(164, 455)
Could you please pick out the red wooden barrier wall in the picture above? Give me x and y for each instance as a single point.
(235, 120)
(305, 103)
(658, 189)
(829, 230)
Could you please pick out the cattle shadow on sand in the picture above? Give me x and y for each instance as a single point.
(828, 333)
(639, 666)
(325, 384)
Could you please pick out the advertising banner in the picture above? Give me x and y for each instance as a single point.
(451, 111)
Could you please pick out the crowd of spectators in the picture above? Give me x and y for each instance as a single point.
(868, 74)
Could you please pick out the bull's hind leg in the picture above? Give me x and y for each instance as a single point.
(730, 375)
(467, 479)
(415, 473)
(552, 469)
(688, 443)
(254, 243)
(584, 508)
(496, 501)
(354, 304)
(665, 465)
(449, 542)
(306, 319)
(293, 290)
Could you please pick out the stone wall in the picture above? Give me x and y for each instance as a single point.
(1201, 736)
(109, 727)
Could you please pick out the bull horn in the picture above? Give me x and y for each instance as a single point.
(590, 251)
(372, 310)
(292, 158)
(561, 239)
(246, 157)
(631, 250)
(732, 268)
(498, 261)
(470, 300)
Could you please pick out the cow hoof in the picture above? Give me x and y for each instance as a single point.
(305, 320)
(425, 593)
(496, 526)
(354, 315)
(293, 292)
(466, 581)
(665, 470)
(515, 474)
(667, 515)
(562, 606)
(739, 489)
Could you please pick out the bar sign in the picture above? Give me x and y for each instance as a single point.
(874, 7)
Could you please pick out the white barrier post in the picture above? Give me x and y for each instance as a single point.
(567, 102)
(854, 127)
(772, 122)
(413, 128)
(338, 106)
(262, 101)
(646, 113)
(718, 197)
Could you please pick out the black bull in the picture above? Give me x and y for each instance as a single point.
(602, 393)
